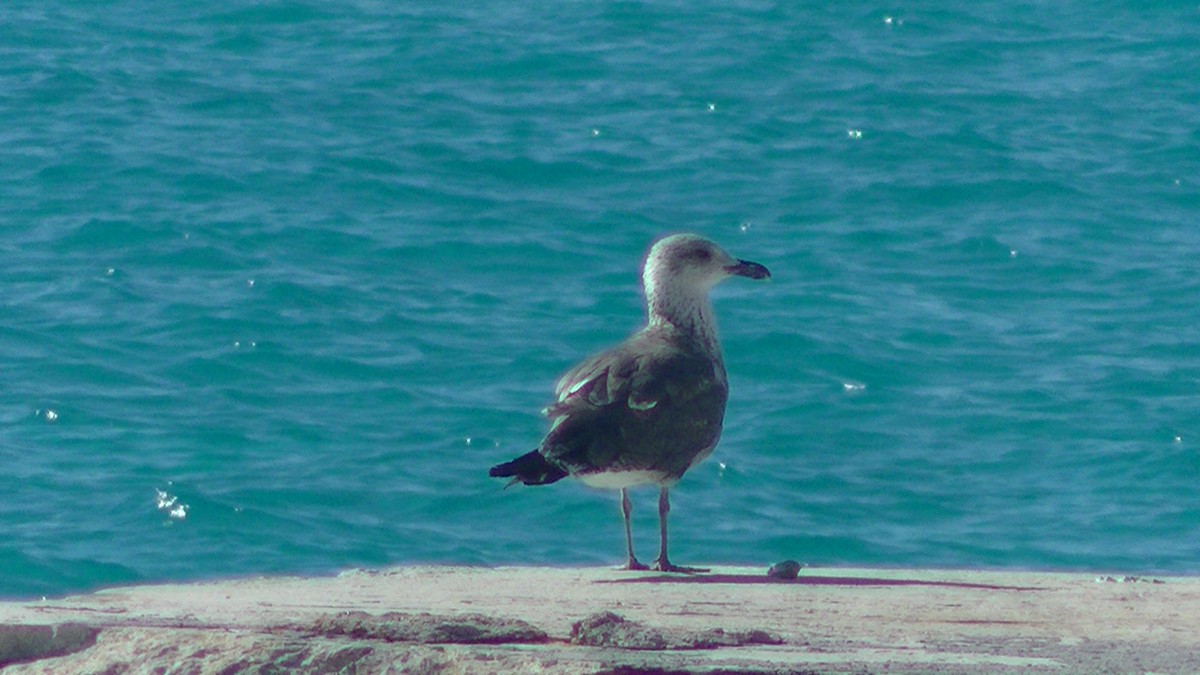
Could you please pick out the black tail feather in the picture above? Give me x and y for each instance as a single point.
(530, 469)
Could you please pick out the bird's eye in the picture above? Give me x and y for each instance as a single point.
(702, 254)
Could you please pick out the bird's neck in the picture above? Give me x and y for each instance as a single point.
(689, 316)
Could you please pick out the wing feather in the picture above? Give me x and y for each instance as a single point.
(608, 405)
(635, 377)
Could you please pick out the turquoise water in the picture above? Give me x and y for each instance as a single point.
(280, 281)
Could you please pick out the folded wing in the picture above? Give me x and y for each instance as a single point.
(610, 407)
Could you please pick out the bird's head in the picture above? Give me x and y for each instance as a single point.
(690, 265)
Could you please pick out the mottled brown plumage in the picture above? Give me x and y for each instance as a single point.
(648, 409)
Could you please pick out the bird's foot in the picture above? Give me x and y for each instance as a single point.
(663, 565)
(633, 564)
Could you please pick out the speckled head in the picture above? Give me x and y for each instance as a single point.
(678, 274)
(689, 262)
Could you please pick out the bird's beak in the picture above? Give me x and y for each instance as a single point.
(745, 268)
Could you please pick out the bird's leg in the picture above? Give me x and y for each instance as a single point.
(662, 564)
(626, 508)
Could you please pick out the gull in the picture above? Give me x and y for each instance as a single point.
(650, 408)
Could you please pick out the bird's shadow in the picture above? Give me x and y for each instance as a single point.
(756, 579)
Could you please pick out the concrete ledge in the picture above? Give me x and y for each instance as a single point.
(466, 619)
(32, 642)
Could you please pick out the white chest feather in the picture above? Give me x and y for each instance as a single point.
(612, 480)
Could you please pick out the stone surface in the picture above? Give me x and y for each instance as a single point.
(469, 629)
(32, 642)
(465, 620)
(606, 629)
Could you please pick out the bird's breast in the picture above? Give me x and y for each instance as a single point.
(613, 480)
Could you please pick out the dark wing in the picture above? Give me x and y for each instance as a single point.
(646, 404)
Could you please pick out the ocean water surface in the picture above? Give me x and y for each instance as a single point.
(280, 281)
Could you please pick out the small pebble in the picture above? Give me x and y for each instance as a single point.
(788, 570)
